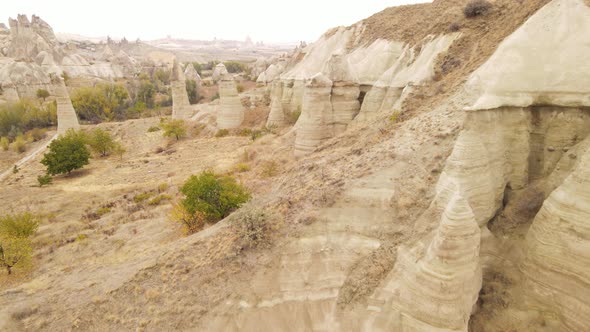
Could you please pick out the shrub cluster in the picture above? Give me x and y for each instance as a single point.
(18, 118)
(476, 7)
(208, 197)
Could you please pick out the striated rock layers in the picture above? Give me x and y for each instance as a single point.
(66, 115)
(345, 92)
(181, 107)
(316, 121)
(276, 117)
(439, 290)
(557, 264)
(231, 112)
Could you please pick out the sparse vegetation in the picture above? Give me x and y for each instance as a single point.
(394, 116)
(215, 96)
(66, 153)
(44, 180)
(153, 129)
(4, 143)
(252, 227)
(235, 67)
(159, 199)
(19, 145)
(240, 88)
(212, 196)
(174, 128)
(222, 133)
(476, 8)
(242, 168)
(294, 116)
(270, 169)
(139, 198)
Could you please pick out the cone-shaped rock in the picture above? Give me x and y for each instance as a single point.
(66, 115)
(276, 117)
(181, 108)
(231, 112)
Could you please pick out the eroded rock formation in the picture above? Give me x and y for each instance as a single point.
(316, 121)
(439, 289)
(181, 107)
(558, 251)
(66, 114)
(276, 117)
(30, 38)
(219, 72)
(231, 112)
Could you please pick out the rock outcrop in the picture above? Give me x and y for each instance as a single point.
(439, 289)
(557, 264)
(66, 114)
(315, 124)
(345, 92)
(231, 112)
(219, 72)
(190, 73)
(30, 38)
(276, 117)
(181, 107)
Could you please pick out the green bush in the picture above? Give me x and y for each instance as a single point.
(19, 145)
(139, 198)
(4, 143)
(214, 196)
(153, 129)
(36, 134)
(104, 102)
(192, 91)
(222, 133)
(21, 225)
(42, 93)
(66, 153)
(44, 180)
(159, 199)
(174, 128)
(25, 115)
(235, 66)
(101, 142)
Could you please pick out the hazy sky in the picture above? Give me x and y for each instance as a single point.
(267, 20)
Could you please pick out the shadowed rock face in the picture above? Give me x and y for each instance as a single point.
(66, 115)
(557, 265)
(231, 112)
(181, 108)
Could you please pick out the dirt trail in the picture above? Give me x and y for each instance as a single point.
(28, 158)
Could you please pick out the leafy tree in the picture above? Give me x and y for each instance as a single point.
(162, 76)
(43, 94)
(101, 142)
(17, 118)
(15, 245)
(103, 102)
(214, 196)
(66, 153)
(14, 252)
(234, 66)
(19, 225)
(174, 128)
(192, 91)
(119, 150)
(146, 93)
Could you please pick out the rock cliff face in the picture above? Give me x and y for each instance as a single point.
(231, 112)
(558, 251)
(435, 289)
(30, 38)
